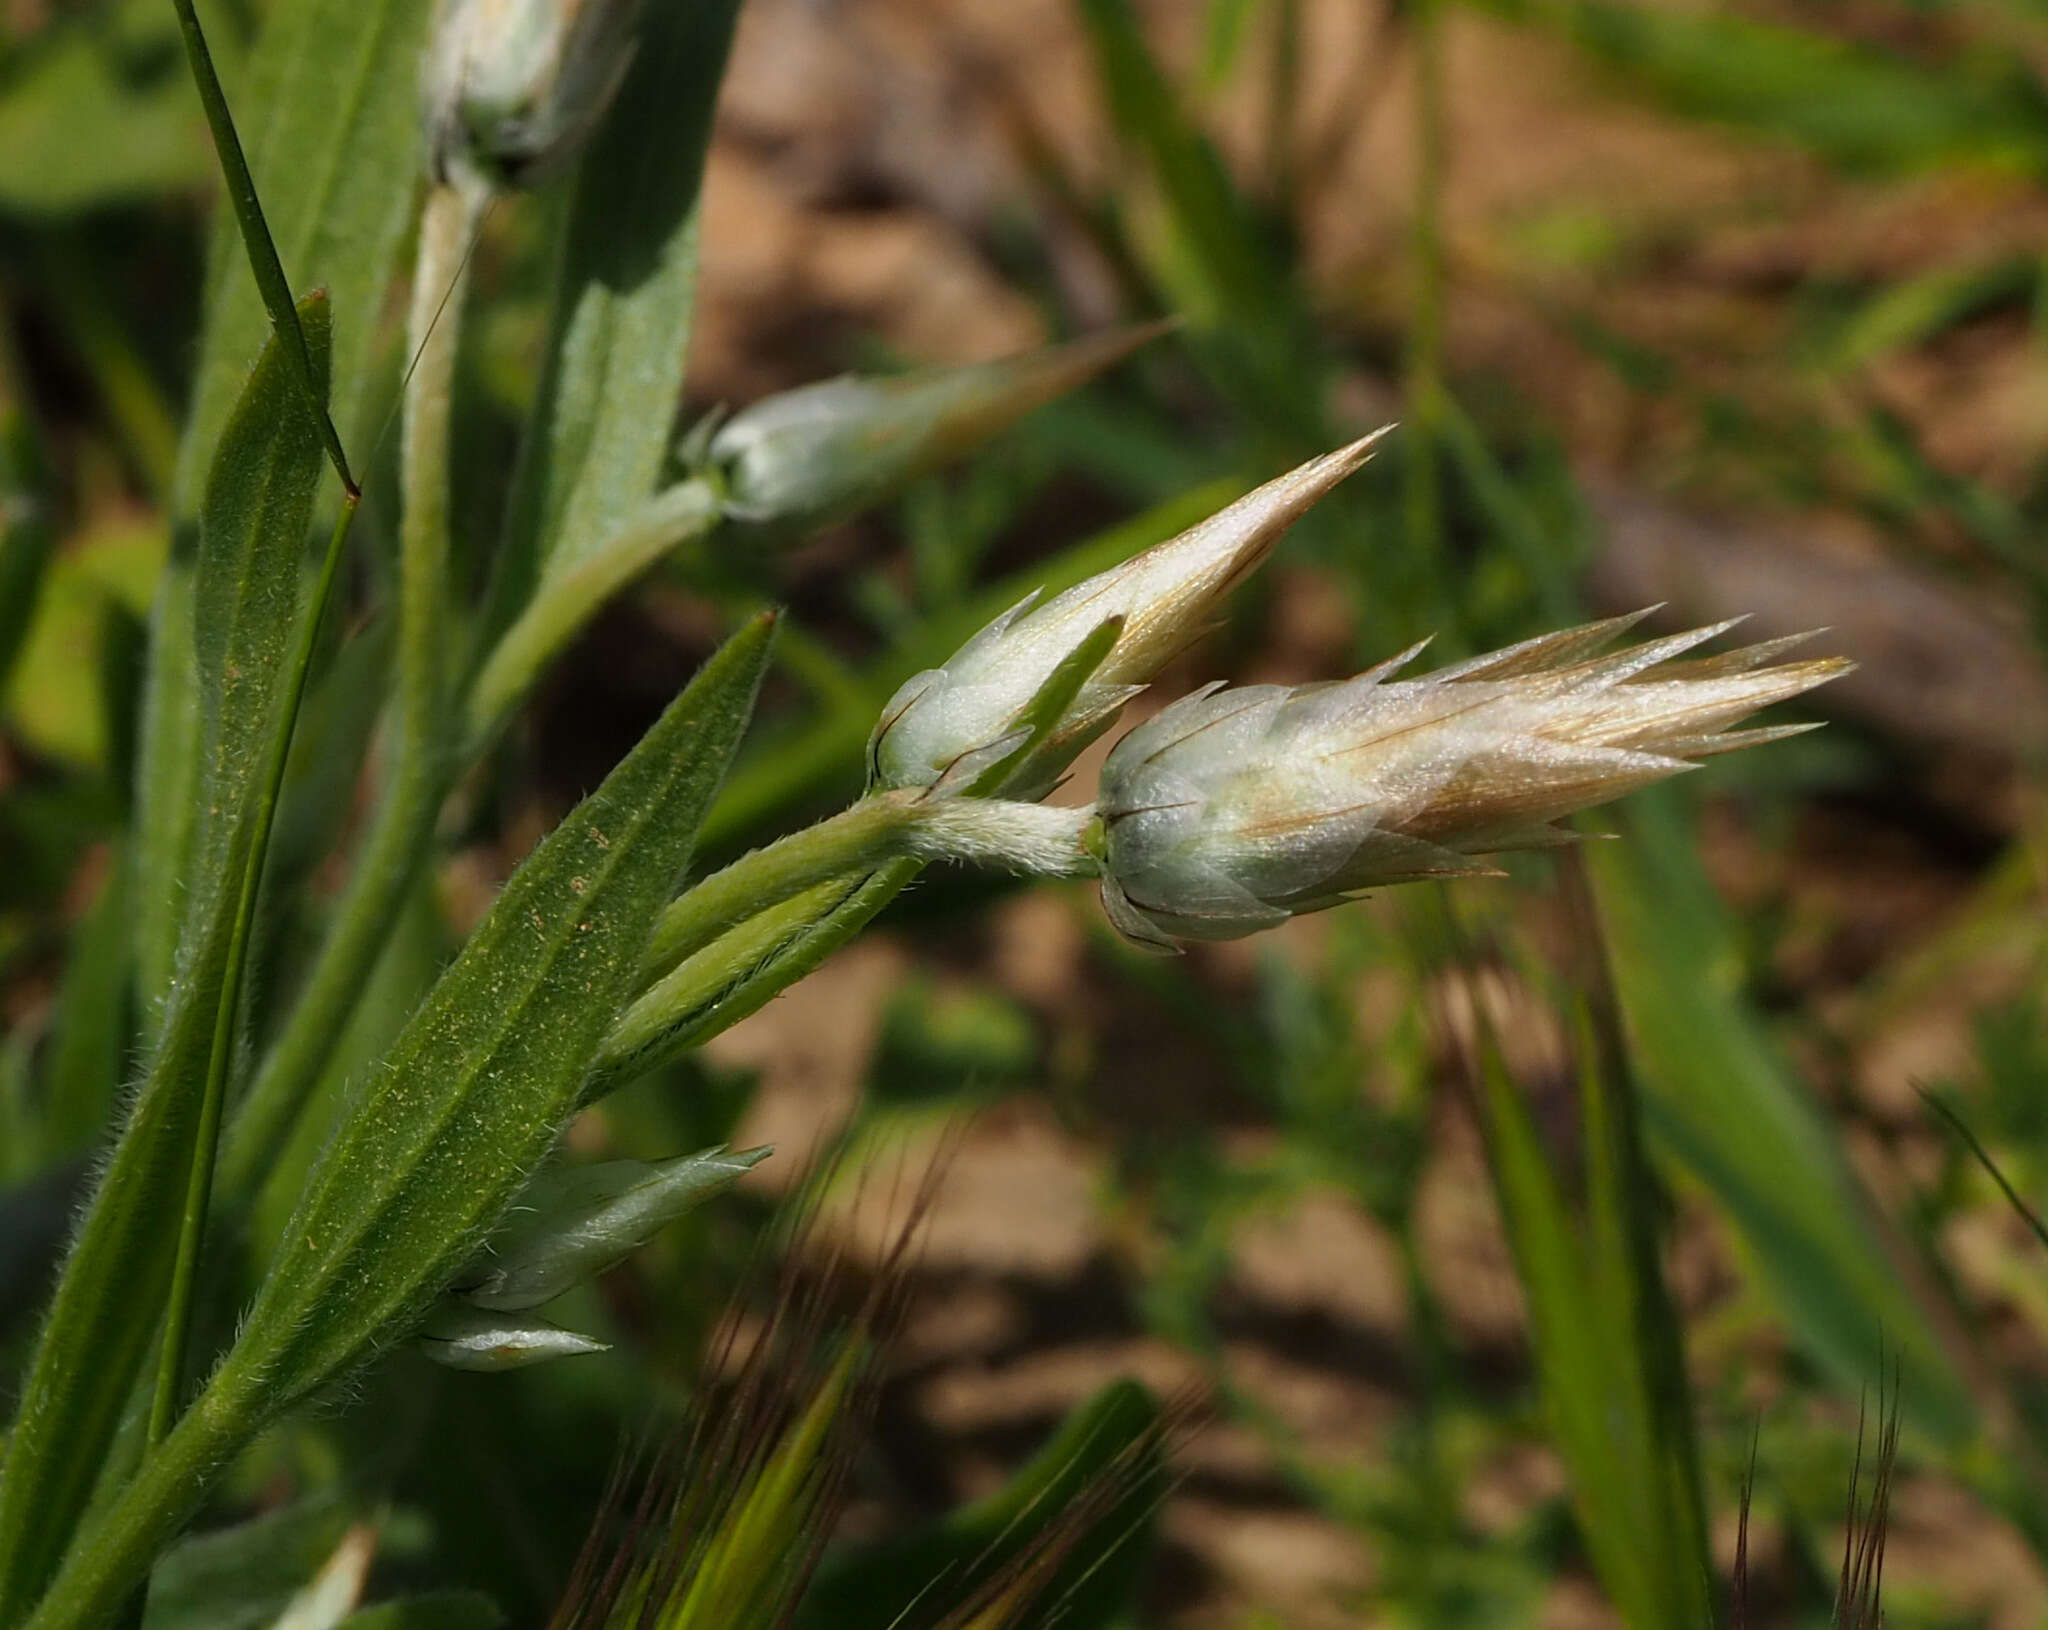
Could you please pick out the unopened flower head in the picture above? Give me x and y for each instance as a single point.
(513, 87)
(947, 723)
(819, 453)
(1235, 809)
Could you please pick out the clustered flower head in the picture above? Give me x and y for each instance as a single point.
(1236, 808)
(946, 725)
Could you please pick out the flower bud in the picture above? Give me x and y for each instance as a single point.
(465, 1339)
(946, 722)
(574, 1222)
(513, 87)
(818, 454)
(1235, 809)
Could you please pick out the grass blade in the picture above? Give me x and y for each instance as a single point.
(1720, 1102)
(271, 282)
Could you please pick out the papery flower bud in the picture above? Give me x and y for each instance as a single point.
(946, 724)
(574, 1222)
(820, 453)
(1235, 809)
(513, 87)
(465, 1338)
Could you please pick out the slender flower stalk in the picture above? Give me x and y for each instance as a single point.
(1235, 809)
(947, 725)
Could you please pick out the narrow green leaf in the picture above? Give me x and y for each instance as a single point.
(331, 109)
(1721, 1104)
(613, 375)
(271, 283)
(441, 1135)
(471, 1096)
(252, 540)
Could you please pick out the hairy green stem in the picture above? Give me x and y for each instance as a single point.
(439, 285)
(199, 1188)
(113, 1555)
(741, 972)
(851, 842)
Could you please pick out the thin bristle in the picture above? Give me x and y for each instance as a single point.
(1624, 665)
(1743, 659)
(1546, 651)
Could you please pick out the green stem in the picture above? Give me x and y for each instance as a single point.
(199, 1189)
(113, 1555)
(561, 605)
(741, 972)
(271, 282)
(851, 842)
(439, 284)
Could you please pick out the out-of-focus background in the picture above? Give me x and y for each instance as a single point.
(1736, 307)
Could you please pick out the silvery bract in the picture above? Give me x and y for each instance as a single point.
(513, 87)
(1235, 809)
(817, 454)
(945, 724)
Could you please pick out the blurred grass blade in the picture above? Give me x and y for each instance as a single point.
(105, 72)
(253, 530)
(90, 1029)
(1103, 1473)
(1722, 1105)
(613, 374)
(1853, 105)
(1609, 1352)
(1961, 1128)
(27, 538)
(441, 1135)
(332, 109)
